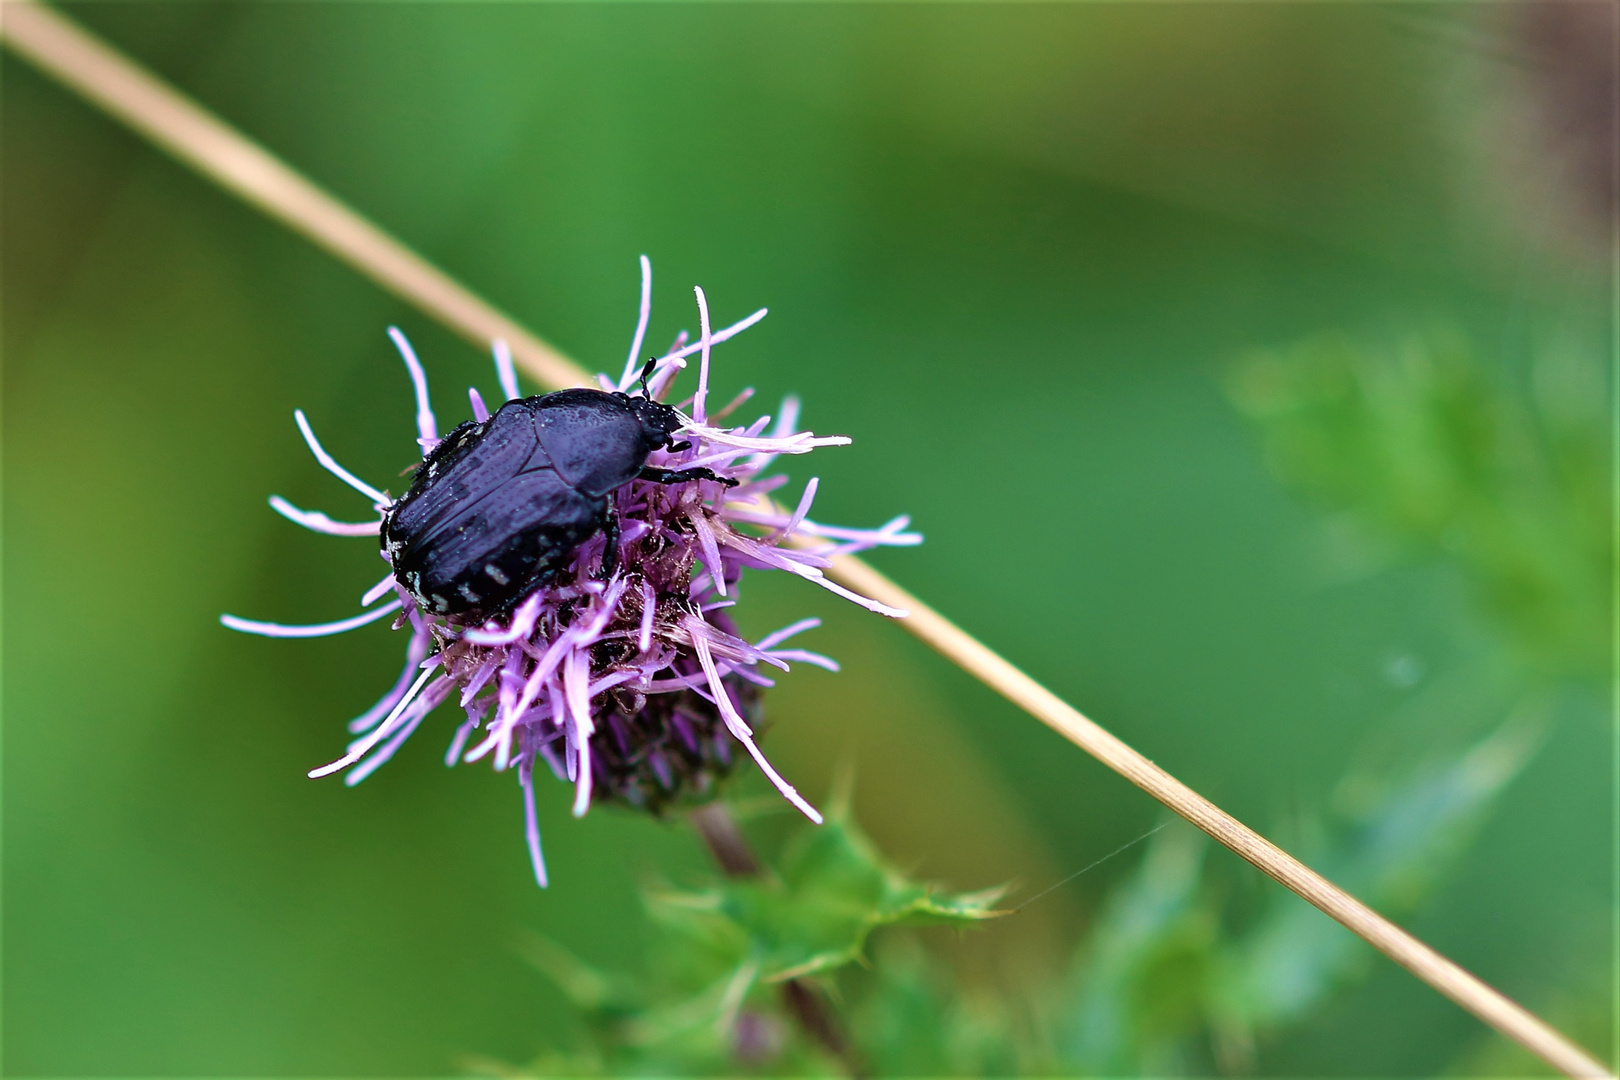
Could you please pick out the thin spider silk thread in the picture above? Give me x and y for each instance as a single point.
(1089, 866)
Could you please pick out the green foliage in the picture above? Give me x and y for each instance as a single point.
(1143, 973)
(734, 961)
(1171, 979)
(1425, 451)
(912, 1018)
(1166, 972)
(1390, 852)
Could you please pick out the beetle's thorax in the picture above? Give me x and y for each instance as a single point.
(599, 441)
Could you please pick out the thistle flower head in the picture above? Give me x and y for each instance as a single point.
(625, 677)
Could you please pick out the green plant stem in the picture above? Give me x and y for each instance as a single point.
(804, 1002)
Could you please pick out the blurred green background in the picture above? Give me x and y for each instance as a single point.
(1014, 251)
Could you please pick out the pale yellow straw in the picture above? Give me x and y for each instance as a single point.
(180, 126)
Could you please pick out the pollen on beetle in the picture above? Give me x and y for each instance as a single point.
(633, 685)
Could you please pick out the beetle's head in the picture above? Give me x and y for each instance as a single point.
(659, 422)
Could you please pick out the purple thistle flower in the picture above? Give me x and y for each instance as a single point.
(634, 687)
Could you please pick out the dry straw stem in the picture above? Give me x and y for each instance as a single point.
(201, 140)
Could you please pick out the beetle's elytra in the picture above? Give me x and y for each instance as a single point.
(500, 507)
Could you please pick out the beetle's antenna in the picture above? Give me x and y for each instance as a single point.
(646, 370)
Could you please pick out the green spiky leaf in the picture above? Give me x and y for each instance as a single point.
(833, 890)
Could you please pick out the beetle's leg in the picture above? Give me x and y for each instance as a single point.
(681, 476)
(610, 553)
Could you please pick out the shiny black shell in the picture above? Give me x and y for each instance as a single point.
(500, 507)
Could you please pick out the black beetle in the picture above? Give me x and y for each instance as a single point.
(500, 507)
